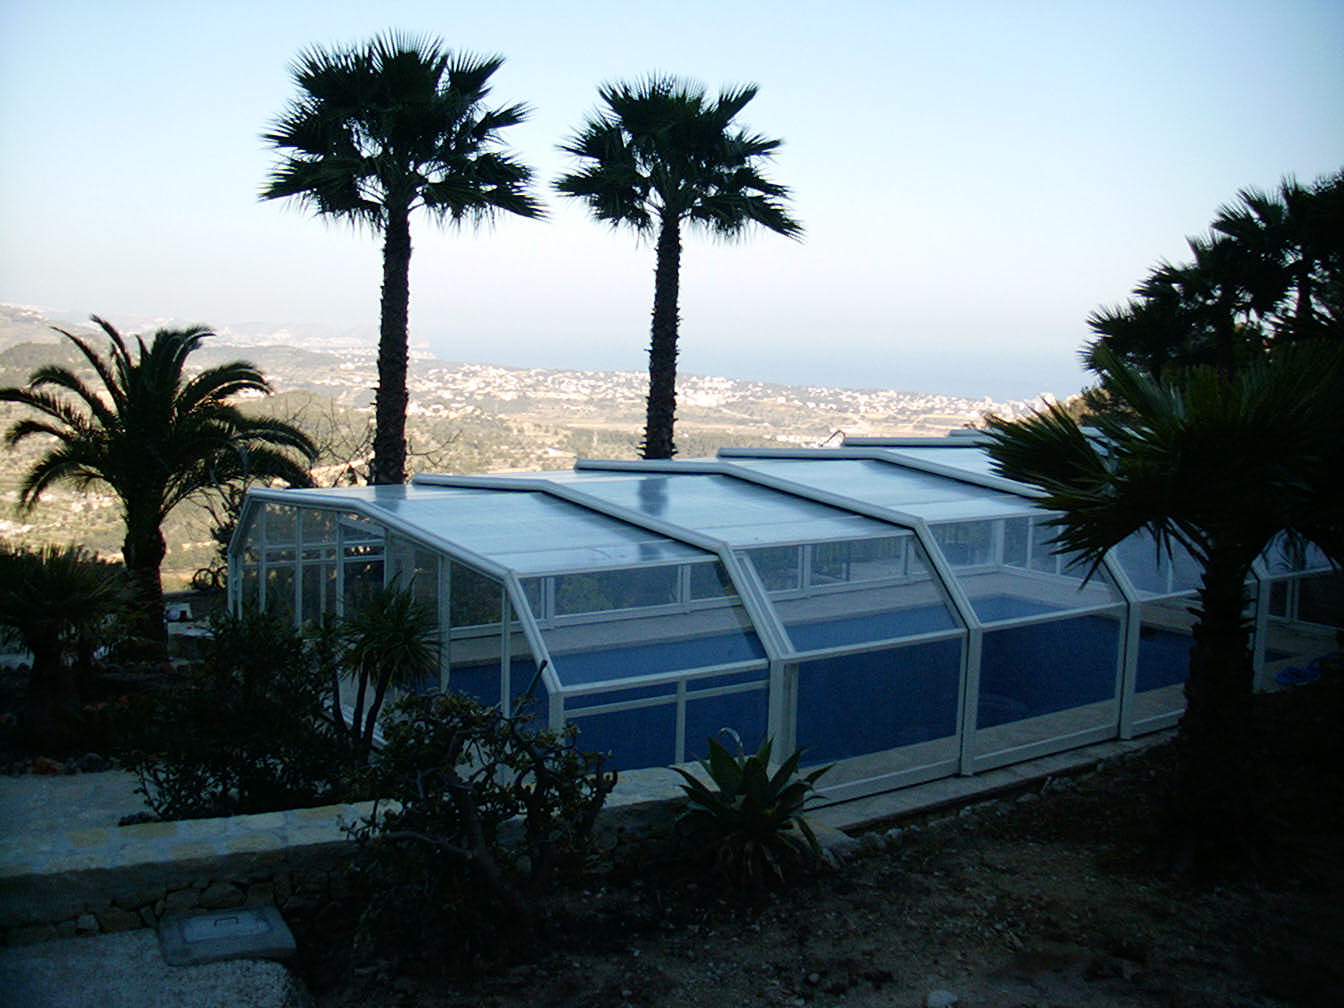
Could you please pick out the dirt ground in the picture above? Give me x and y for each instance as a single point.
(1054, 897)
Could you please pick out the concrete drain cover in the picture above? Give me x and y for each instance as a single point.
(254, 932)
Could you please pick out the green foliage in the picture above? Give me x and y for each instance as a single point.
(1269, 273)
(376, 132)
(751, 821)
(483, 817)
(60, 603)
(154, 436)
(1220, 464)
(390, 639)
(246, 733)
(661, 153)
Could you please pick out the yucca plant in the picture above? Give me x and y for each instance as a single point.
(751, 820)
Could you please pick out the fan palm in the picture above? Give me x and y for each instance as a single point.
(1221, 465)
(381, 131)
(154, 436)
(661, 153)
(53, 601)
(391, 640)
(1271, 271)
(1297, 237)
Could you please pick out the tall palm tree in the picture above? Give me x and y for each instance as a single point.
(1270, 271)
(662, 153)
(153, 435)
(1221, 464)
(376, 133)
(1297, 236)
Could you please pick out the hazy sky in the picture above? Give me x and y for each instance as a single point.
(974, 177)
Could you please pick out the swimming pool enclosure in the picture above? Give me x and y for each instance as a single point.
(890, 606)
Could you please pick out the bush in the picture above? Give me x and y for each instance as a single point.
(483, 817)
(750, 825)
(247, 733)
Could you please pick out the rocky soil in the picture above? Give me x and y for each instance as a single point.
(1054, 897)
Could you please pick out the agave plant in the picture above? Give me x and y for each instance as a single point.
(752, 819)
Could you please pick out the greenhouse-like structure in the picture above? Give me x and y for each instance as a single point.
(889, 606)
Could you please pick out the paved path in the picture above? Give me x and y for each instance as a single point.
(36, 804)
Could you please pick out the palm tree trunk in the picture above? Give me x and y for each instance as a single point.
(1211, 796)
(143, 551)
(661, 409)
(389, 437)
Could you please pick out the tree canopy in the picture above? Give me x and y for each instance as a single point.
(1270, 271)
(377, 132)
(658, 154)
(153, 434)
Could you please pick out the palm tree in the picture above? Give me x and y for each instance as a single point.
(660, 154)
(1297, 236)
(1270, 271)
(154, 436)
(53, 601)
(1222, 465)
(379, 132)
(391, 640)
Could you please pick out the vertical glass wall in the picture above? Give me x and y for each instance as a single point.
(653, 660)
(1053, 640)
(881, 652)
(1165, 580)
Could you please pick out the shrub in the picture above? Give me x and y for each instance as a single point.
(750, 824)
(484, 815)
(247, 733)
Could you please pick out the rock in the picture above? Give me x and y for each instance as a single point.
(940, 999)
(45, 766)
(181, 899)
(114, 919)
(86, 924)
(220, 896)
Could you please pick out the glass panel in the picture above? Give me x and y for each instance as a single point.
(710, 581)
(1163, 659)
(1155, 571)
(861, 591)
(353, 528)
(280, 591)
(730, 718)
(317, 526)
(476, 597)
(1008, 590)
(864, 703)
(319, 590)
(606, 591)
(966, 544)
(363, 575)
(641, 737)
(249, 589)
(475, 639)
(1289, 556)
(527, 688)
(778, 567)
(858, 560)
(281, 524)
(1016, 541)
(1065, 668)
(1043, 557)
(655, 644)
(1321, 599)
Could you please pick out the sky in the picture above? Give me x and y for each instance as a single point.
(974, 177)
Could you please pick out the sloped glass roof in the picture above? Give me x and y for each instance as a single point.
(970, 457)
(732, 510)
(933, 498)
(526, 531)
